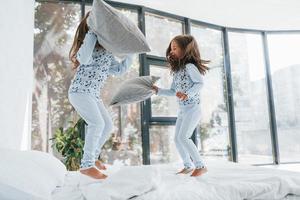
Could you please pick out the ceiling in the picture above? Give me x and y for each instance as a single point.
(248, 14)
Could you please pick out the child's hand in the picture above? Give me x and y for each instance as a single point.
(155, 88)
(181, 96)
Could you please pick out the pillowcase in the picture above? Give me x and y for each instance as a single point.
(134, 90)
(115, 32)
(29, 174)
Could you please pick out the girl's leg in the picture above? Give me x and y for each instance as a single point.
(180, 147)
(190, 119)
(108, 126)
(87, 108)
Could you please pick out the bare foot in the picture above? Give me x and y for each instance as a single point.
(99, 165)
(93, 173)
(199, 171)
(185, 171)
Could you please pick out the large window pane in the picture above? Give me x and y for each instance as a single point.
(124, 146)
(213, 137)
(163, 106)
(159, 32)
(162, 145)
(55, 25)
(285, 68)
(250, 98)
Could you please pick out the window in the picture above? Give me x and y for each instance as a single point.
(168, 29)
(162, 145)
(55, 24)
(213, 135)
(250, 98)
(285, 69)
(163, 106)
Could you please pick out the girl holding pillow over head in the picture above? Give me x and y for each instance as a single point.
(187, 69)
(93, 64)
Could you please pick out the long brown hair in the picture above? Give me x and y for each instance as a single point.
(81, 31)
(191, 54)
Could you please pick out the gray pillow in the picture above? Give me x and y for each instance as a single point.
(115, 32)
(134, 90)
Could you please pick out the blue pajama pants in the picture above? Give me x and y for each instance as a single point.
(99, 125)
(187, 120)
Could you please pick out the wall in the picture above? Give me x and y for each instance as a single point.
(16, 72)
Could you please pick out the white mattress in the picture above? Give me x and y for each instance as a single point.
(224, 181)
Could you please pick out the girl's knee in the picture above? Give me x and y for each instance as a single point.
(99, 126)
(184, 139)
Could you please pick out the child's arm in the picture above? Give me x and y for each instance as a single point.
(117, 68)
(85, 51)
(166, 92)
(197, 79)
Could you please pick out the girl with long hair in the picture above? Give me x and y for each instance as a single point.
(188, 69)
(93, 64)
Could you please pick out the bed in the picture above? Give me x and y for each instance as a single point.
(224, 181)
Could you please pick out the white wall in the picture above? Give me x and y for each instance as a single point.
(252, 14)
(16, 72)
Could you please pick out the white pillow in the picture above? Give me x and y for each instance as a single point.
(115, 32)
(29, 174)
(134, 90)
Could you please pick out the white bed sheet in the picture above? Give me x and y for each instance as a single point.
(122, 183)
(224, 181)
(70, 189)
